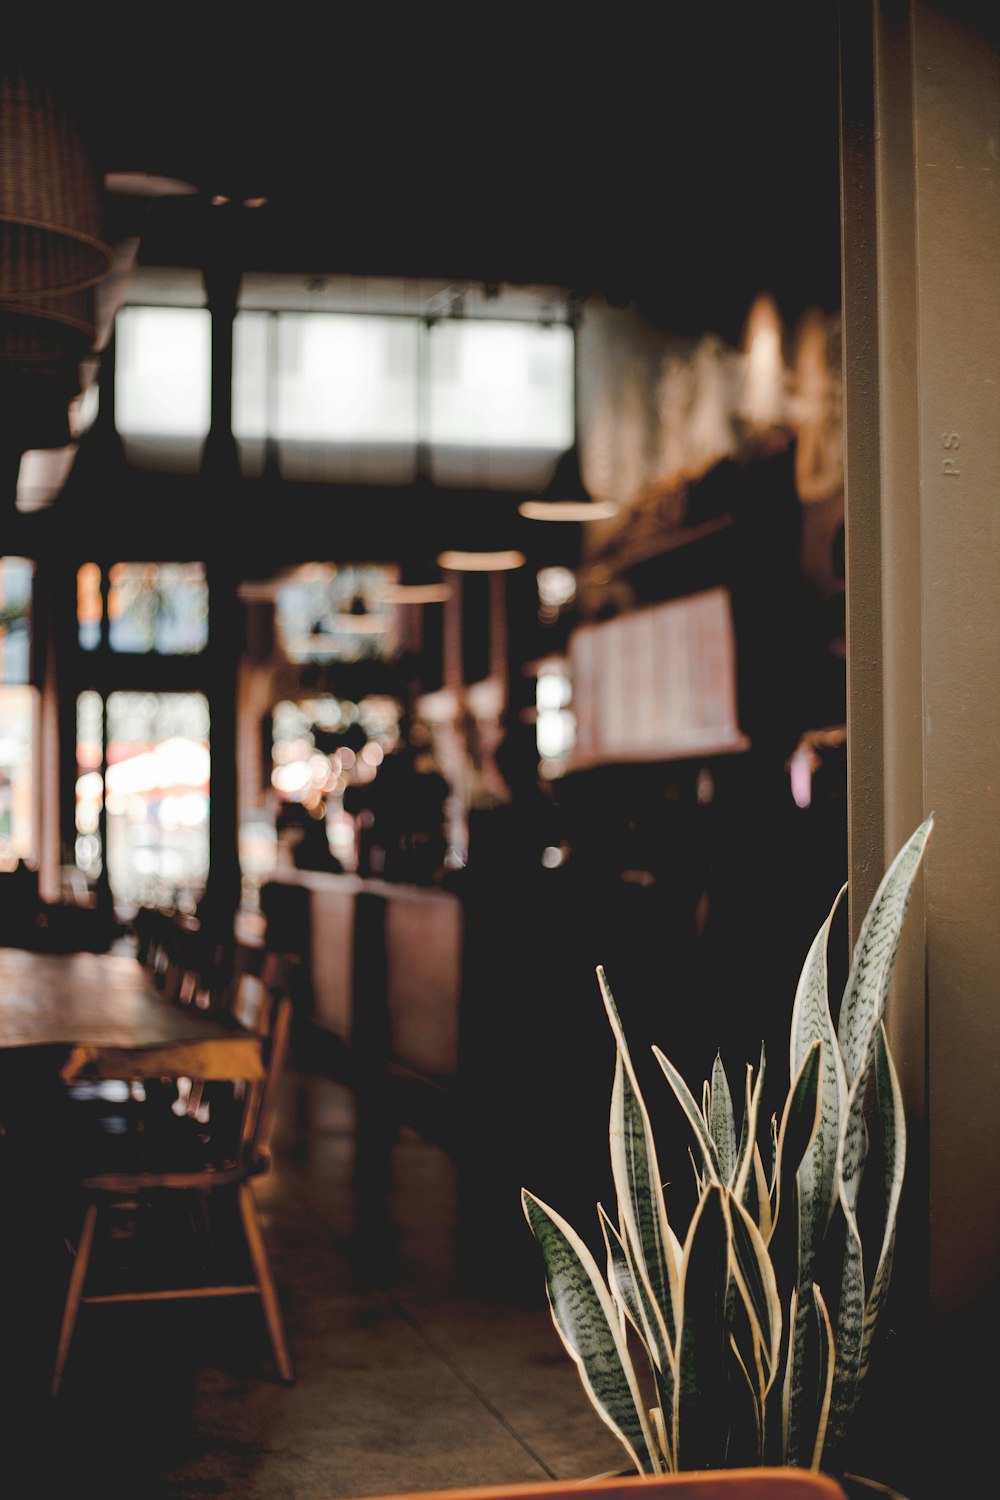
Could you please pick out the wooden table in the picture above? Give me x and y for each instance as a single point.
(107, 1017)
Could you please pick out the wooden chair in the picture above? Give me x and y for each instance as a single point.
(179, 1160)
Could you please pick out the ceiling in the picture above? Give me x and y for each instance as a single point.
(680, 158)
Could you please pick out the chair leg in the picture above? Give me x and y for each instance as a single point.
(265, 1282)
(73, 1295)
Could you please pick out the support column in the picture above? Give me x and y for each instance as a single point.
(921, 219)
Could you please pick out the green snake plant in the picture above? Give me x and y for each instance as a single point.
(746, 1338)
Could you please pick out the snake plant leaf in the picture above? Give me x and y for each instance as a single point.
(659, 1427)
(811, 1022)
(699, 1437)
(633, 1188)
(748, 1136)
(799, 1120)
(757, 1194)
(890, 1100)
(755, 1384)
(638, 1182)
(722, 1121)
(686, 1100)
(634, 1303)
(742, 1144)
(587, 1322)
(875, 951)
(620, 1275)
(809, 1386)
(851, 1156)
(798, 1124)
(824, 1382)
(661, 1356)
(754, 1276)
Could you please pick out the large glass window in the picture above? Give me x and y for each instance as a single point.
(500, 385)
(151, 607)
(349, 396)
(16, 575)
(333, 377)
(18, 712)
(163, 365)
(17, 734)
(330, 613)
(145, 757)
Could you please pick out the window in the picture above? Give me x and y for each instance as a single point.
(151, 607)
(329, 613)
(347, 381)
(18, 709)
(555, 722)
(324, 378)
(17, 737)
(500, 385)
(16, 578)
(163, 364)
(143, 759)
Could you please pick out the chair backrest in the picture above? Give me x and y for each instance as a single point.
(262, 1099)
(257, 978)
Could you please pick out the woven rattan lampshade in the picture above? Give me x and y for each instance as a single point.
(50, 206)
(42, 342)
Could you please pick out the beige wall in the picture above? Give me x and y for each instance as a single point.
(921, 202)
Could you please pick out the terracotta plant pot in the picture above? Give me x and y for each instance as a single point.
(703, 1484)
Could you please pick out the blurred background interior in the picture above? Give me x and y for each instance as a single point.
(423, 553)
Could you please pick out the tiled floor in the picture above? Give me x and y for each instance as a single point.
(423, 1361)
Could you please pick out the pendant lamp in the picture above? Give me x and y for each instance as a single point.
(566, 497)
(51, 229)
(419, 582)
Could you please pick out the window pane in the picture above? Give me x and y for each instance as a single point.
(89, 606)
(157, 789)
(336, 378)
(336, 614)
(161, 607)
(17, 717)
(163, 360)
(501, 384)
(16, 574)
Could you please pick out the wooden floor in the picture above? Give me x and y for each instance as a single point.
(425, 1354)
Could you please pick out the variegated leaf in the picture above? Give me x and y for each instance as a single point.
(638, 1182)
(686, 1099)
(762, 1195)
(748, 1136)
(643, 1230)
(786, 1384)
(824, 1380)
(755, 1385)
(851, 1307)
(722, 1121)
(620, 1275)
(894, 1144)
(703, 1349)
(587, 1322)
(754, 1276)
(661, 1356)
(799, 1119)
(811, 1023)
(875, 952)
